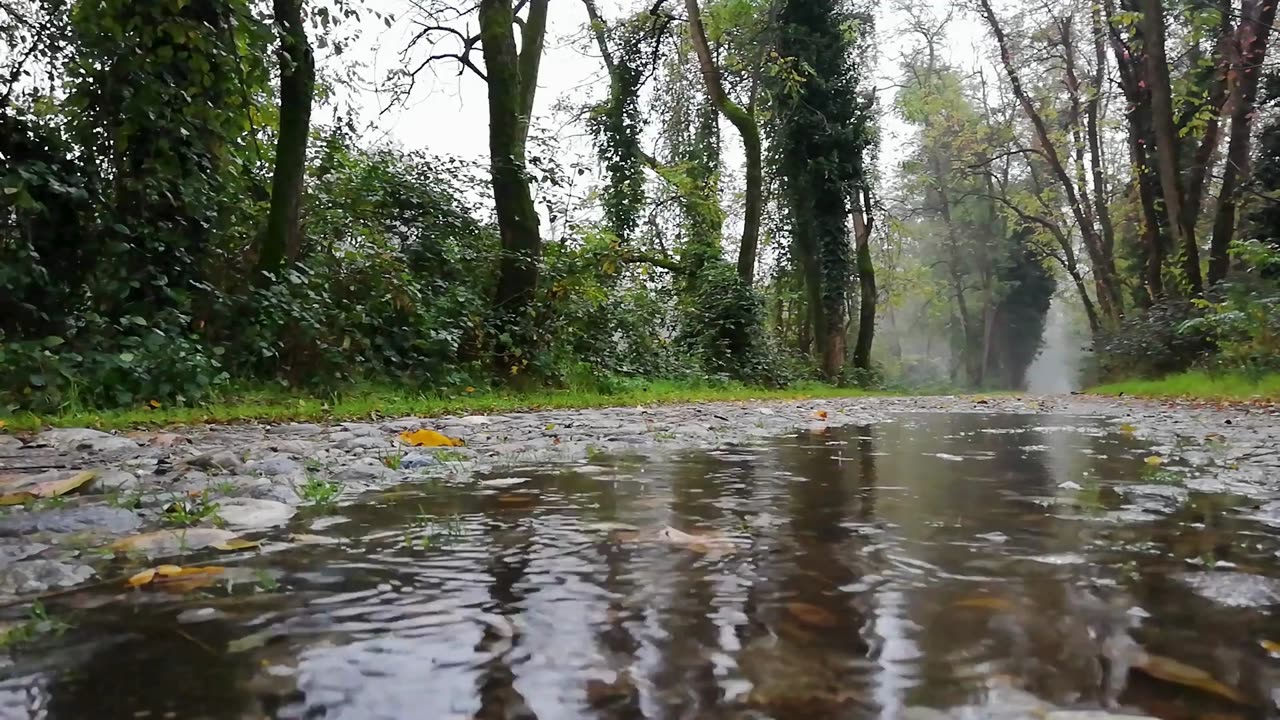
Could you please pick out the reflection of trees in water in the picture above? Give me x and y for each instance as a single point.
(511, 544)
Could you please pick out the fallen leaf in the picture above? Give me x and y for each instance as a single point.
(696, 543)
(168, 570)
(1270, 646)
(153, 404)
(3, 424)
(48, 488)
(987, 603)
(428, 438)
(821, 414)
(175, 542)
(1170, 670)
(812, 615)
(1128, 429)
(470, 389)
(142, 578)
(1153, 460)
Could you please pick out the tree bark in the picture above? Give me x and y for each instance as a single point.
(510, 103)
(747, 127)
(1167, 150)
(283, 238)
(862, 224)
(1249, 53)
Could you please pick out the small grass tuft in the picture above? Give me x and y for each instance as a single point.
(319, 491)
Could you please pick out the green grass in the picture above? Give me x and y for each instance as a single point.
(1199, 385)
(379, 402)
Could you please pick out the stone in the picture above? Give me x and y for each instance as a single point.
(217, 460)
(244, 513)
(33, 576)
(9, 442)
(13, 553)
(365, 442)
(273, 466)
(1233, 589)
(117, 480)
(295, 429)
(84, 439)
(81, 518)
(416, 460)
(363, 473)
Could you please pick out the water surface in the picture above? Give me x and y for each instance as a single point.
(846, 573)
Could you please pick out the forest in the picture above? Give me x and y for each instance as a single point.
(774, 192)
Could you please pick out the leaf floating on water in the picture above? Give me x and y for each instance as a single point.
(236, 544)
(1128, 429)
(984, 602)
(1170, 670)
(429, 438)
(1270, 646)
(697, 543)
(173, 577)
(56, 487)
(812, 615)
(1153, 460)
(142, 578)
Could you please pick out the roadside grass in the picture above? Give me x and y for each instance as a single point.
(365, 402)
(1199, 385)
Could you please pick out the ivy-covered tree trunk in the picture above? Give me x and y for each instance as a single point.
(283, 238)
(866, 283)
(747, 127)
(510, 103)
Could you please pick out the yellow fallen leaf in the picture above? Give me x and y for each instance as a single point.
(821, 414)
(236, 544)
(48, 488)
(1170, 670)
(1153, 460)
(470, 389)
(142, 578)
(987, 603)
(168, 570)
(153, 404)
(2, 424)
(812, 615)
(1128, 429)
(1270, 646)
(428, 438)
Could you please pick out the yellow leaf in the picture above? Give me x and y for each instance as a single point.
(49, 488)
(168, 570)
(1154, 460)
(821, 414)
(1170, 670)
(142, 578)
(153, 404)
(2, 424)
(1128, 429)
(986, 603)
(237, 544)
(1270, 646)
(812, 615)
(470, 389)
(428, 438)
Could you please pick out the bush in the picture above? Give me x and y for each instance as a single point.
(1152, 343)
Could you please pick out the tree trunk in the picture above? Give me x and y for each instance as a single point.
(283, 239)
(862, 223)
(747, 127)
(509, 105)
(1250, 52)
(1184, 233)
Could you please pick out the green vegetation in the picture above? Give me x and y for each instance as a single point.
(1199, 385)
(319, 492)
(372, 402)
(37, 623)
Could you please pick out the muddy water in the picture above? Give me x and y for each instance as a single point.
(934, 561)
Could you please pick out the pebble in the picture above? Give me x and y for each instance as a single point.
(34, 576)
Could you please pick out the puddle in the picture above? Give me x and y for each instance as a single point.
(940, 561)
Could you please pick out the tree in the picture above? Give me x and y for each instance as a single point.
(824, 137)
(283, 238)
(744, 121)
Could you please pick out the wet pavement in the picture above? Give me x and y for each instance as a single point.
(919, 559)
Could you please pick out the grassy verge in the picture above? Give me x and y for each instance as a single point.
(365, 403)
(1198, 385)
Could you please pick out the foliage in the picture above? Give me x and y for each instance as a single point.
(1151, 343)
(1243, 324)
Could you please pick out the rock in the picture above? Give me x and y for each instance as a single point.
(245, 513)
(362, 473)
(118, 480)
(91, 518)
(295, 429)
(9, 442)
(364, 442)
(921, 713)
(13, 553)
(415, 460)
(217, 460)
(68, 439)
(33, 576)
(274, 466)
(1092, 715)
(174, 542)
(1233, 589)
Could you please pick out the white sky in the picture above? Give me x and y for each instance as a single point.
(448, 113)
